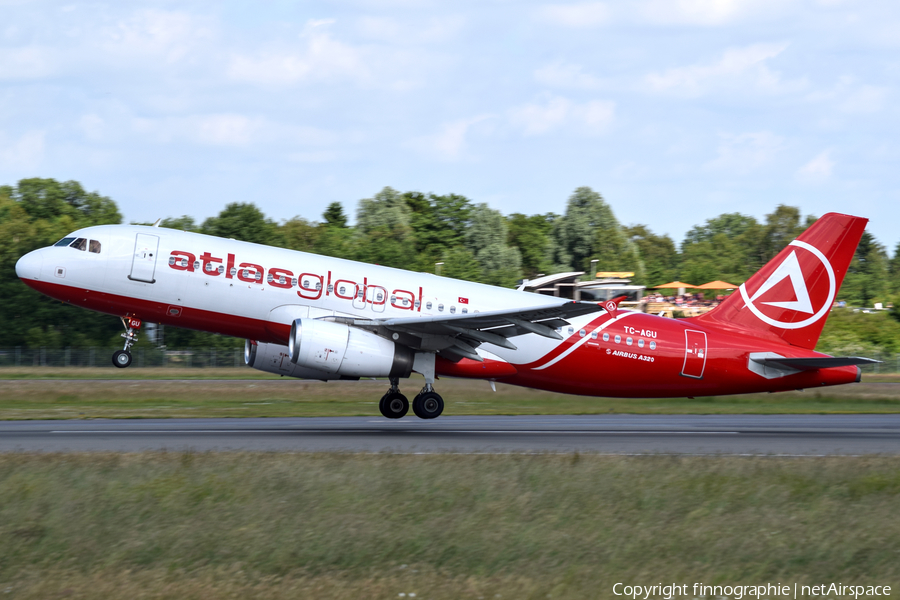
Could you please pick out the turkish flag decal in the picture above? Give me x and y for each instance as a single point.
(463, 300)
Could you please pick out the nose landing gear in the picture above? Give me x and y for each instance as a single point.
(122, 358)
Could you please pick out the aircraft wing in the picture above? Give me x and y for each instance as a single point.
(457, 336)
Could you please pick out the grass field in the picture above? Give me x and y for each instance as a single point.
(162, 393)
(257, 525)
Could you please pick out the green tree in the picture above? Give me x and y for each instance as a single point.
(717, 258)
(387, 211)
(782, 226)
(531, 236)
(894, 270)
(299, 234)
(242, 221)
(334, 215)
(867, 278)
(34, 214)
(384, 230)
(460, 263)
(486, 238)
(589, 230)
(48, 199)
(731, 247)
(182, 223)
(658, 254)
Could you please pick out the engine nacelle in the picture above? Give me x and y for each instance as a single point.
(343, 351)
(275, 358)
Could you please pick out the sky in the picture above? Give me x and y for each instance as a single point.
(675, 110)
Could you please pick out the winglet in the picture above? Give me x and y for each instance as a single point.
(612, 306)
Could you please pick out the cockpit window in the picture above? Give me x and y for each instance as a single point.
(64, 242)
(80, 244)
(95, 246)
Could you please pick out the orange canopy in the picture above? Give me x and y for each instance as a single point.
(717, 285)
(673, 285)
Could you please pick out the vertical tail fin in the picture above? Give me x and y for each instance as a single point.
(791, 295)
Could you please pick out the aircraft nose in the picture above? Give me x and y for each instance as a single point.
(29, 266)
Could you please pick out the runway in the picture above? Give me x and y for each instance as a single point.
(607, 434)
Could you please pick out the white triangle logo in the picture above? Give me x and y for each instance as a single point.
(790, 268)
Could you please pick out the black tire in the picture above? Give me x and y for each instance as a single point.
(394, 405)
(428, 405)
(121, 359)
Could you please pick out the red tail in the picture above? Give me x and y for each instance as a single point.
(791, 295)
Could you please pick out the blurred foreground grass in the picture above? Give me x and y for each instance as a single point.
(254, 525)
(167, 394)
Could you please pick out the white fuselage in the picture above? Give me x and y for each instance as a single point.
(250, 290)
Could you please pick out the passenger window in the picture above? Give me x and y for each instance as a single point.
(80, 244)
(64, 242)
(95, 247)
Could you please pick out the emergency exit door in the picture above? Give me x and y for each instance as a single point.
(694, 354)
(143, 264)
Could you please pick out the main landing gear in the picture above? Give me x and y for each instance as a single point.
(122, 358)
(426, 405)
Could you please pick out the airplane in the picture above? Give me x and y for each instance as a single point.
(316, 317)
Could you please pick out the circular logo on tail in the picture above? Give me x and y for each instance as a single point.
(785, 292)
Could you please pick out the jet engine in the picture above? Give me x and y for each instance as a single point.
(275, 358)
(340, 351)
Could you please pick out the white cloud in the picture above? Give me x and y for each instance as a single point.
(229, 130)
(226, 129)
(817, 169)
(24, 153)
(565, 75)
(92, 126)
(396, 31)
(27, 62)
(321, 58)
(313, 156)
(167, 35)
(703, 12)
(450, 141)
(866, 99)
(746, 152)
(583, 14)
(740, 67)
(535, 119)
(597, 115)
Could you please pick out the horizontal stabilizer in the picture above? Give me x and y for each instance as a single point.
(815, 362)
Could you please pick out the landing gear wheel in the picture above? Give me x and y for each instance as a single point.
(394, 405)
(428, 405)
(121, 358)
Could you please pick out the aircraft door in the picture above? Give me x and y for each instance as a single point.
(694, 354)
(359, 298)
(377, 297)
(143, 265)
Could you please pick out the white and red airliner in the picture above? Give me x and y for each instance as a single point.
(316, 317)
